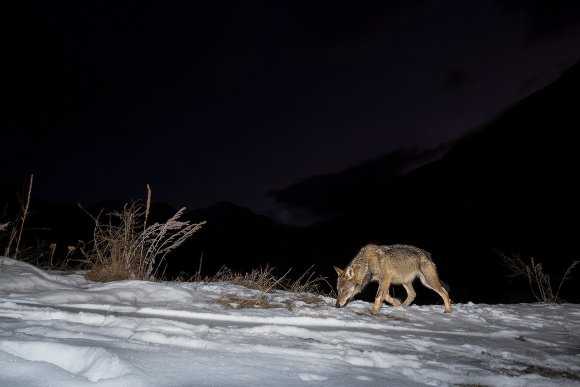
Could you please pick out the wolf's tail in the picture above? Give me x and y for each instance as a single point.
(445, 286)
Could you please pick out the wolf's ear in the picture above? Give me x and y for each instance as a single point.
(349, 272)
(340, 272)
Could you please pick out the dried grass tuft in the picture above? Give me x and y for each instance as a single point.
(306, 288)
(127, 248)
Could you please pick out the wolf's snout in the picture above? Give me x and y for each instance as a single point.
(337, 304)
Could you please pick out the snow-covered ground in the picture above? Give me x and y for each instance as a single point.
(61, 330)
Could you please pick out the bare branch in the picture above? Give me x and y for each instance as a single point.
(540, 282)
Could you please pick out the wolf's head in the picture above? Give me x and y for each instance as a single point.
(346, 286)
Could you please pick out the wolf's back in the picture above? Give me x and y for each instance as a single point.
(407, 252)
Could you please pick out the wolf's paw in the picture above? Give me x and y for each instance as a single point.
(374, 311)
(396, 303)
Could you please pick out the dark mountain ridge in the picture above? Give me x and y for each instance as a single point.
(509, 187)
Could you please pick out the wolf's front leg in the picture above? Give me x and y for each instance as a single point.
(382, 292)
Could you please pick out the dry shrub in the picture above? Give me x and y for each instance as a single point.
(127, 248)
(260, 279)
(49, 258)
(540, 282)
(306, 288)
(308, 282)
(36, 252)
(184, 277)
(265, 280)
(12, 248)
(114, 270)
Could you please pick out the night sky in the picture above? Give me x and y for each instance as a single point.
(226, 101)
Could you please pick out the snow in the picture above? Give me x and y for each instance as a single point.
(62, 330)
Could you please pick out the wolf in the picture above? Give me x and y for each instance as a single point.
(393, 264)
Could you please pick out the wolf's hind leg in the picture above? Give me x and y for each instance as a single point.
(430, 279)
(410, 294)
(391, 300)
